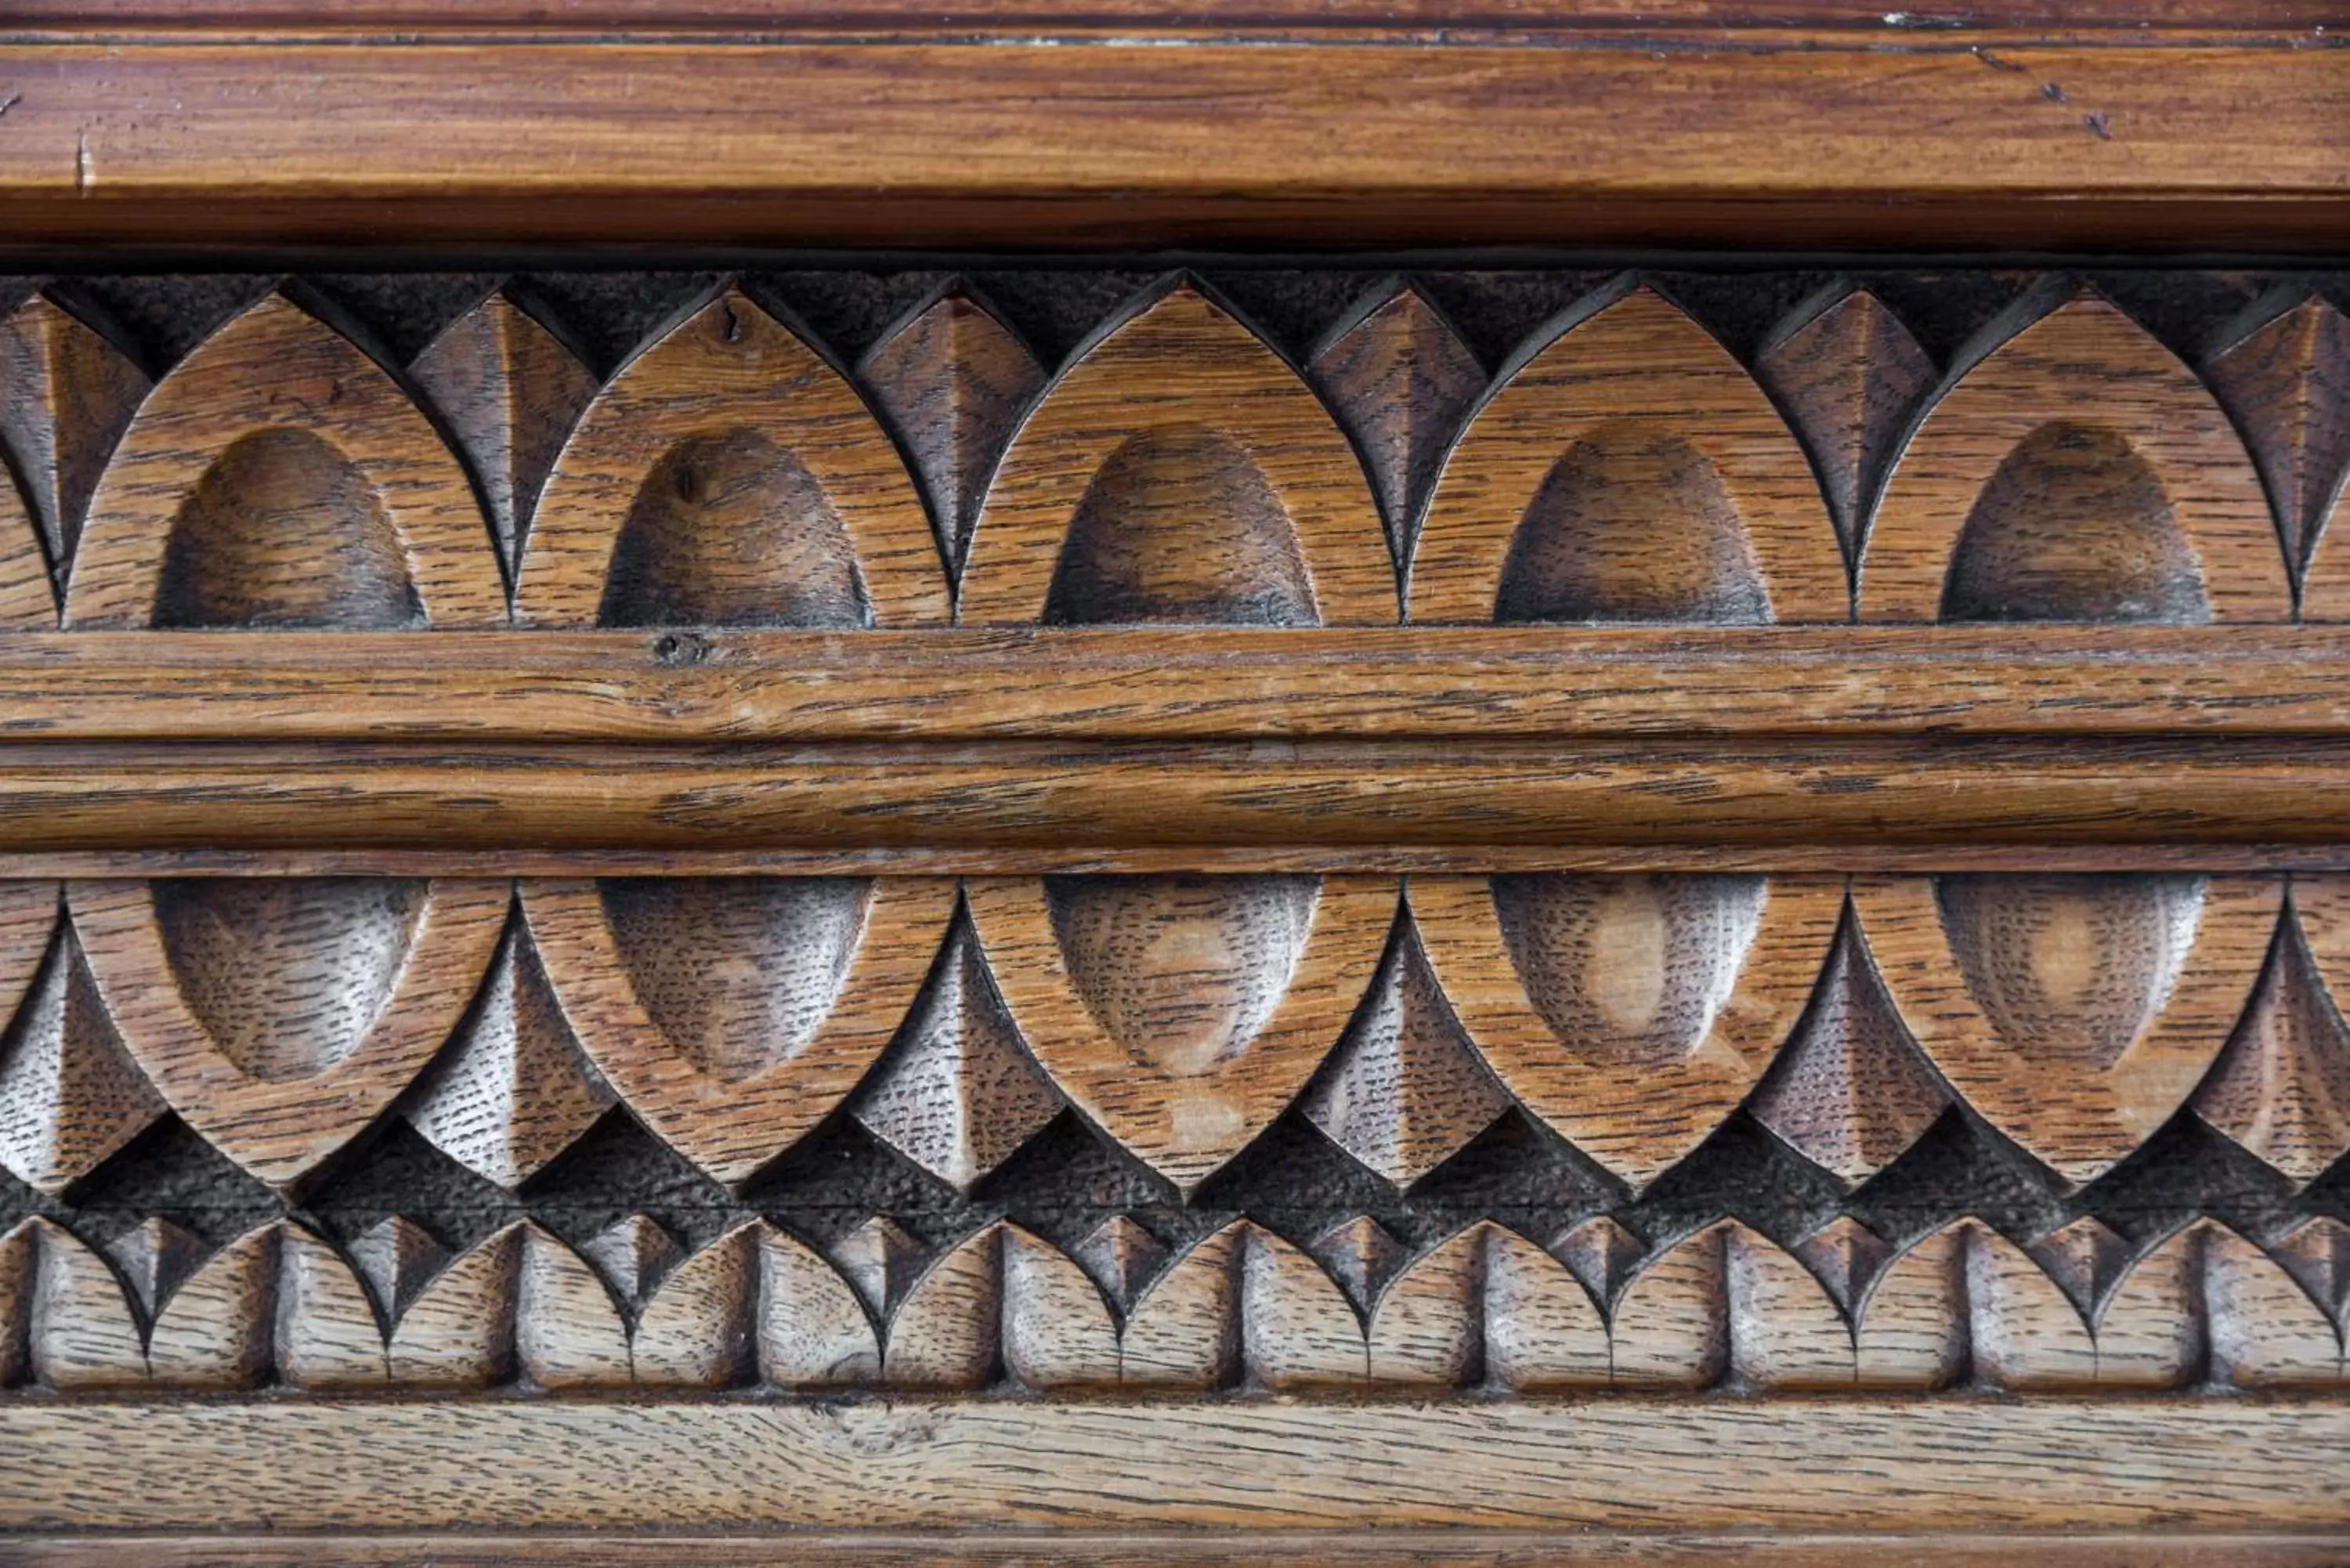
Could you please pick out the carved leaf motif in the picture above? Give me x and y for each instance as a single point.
(1548, 508)
(2281, 1087)
(67, 394)
(1632, 1013)
(1183, 1013)
(2079, 472)
(509, 390)
(1405, 1090)
(70, 1095)
(734, 1013)
(279, 1016)
(1850, 1091)
(957, 1093)
(1179, 472)
(954, 380)
(1400, 381)
(2076, 1013)
(512, 1089)
(728, 476)
(2288, 385)
(277, 477)
(1850, 378)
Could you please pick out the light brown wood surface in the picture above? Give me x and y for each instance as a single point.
(909, 1463)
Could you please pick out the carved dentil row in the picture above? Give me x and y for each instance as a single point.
(1623, 466)
(1242, 1308)
(1181, 1015)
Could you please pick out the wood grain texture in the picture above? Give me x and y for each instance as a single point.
(727, 476)
(735, 1015)
(1548, 507)
(279, 477)
(2026, 495)
(2132, 984)
(2215, 142)
(1183, 1013)
(1881, 1464)
(2134, 801)
(239, 1007)
(1186, 1549)
(1179, 472)
(1192, 683)
(1631, 1014)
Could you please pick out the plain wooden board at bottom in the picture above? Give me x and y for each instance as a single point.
(1410, 1549)
(1948, 1464)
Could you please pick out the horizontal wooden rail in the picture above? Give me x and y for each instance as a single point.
(1768, 138)
(1864, 1464)
(1846, 799)
(1423, 682)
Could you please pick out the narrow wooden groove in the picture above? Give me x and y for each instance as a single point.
(1036, 795)
(1197, 683)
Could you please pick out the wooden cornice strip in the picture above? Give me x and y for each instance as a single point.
(1169, 684)
(1266, 1464)
(1011, 795)
(1748, 139)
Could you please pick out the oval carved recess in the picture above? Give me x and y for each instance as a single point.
(278, 1016)
(277, 477)
(2075, 1012)
(1180, 471)
(1629, 470)
(734, 1013)
(1183, 1013)
(728, 476)
(1631, 1014)
(2078, 472)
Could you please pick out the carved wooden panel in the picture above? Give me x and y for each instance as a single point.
(1095, 843)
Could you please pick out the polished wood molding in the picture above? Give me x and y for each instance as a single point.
(1905, 139)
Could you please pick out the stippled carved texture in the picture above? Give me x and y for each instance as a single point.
(1211, 1132)
(902, 449)
(1189, 1132)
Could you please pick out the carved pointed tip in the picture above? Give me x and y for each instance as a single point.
(880, 1261)
(2085, 1257)
(1361, 1254)
(1845, 1255)
(957, 1093)
(634, 1255)
(1121, 1257)
(397, 1258)
(1852, 1092)
(1599, 1252)
(156, 1256)
(2281, 1088)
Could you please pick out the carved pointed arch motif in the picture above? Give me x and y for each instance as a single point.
(727, 476)
(1183, 1013)
(1180, 471)
(2075, 1012)
(2078, 472)
(1627, 470)
(279, 477)
(279, 1016)
(734, 1013)
(1631, 1014)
